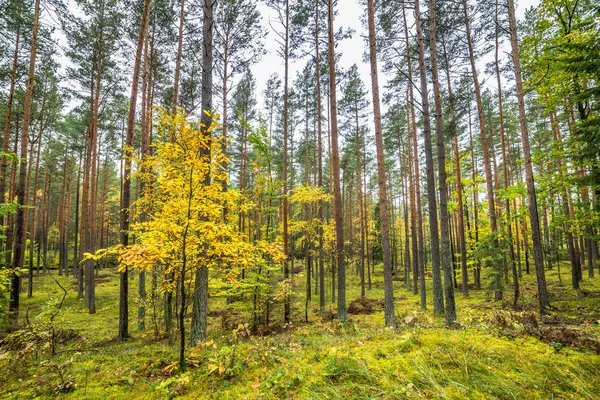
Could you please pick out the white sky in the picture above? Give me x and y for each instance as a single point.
(351, 50)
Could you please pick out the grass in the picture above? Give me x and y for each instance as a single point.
(492, 353)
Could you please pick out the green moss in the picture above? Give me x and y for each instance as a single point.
(319, 360)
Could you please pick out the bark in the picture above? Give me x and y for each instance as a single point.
(486, 159)
(441, 148)
(413, 209)
(342, 313)
(178, 61)
(168, 315)
(477, 270)
(320, 162)
(146, 124)
(561, 164)
(76, 238)
(366, 223)
(461, 217)
(10, 231)
(361, 208)
(19, 245)
(385, 235)
(34, 212)
(531, 195)
(90, 242)
(200, 305)
(505, 161)
(285, 210)
(419, 238)
(126, 190)
(7, 119)
(62, 217)
(460, 226)
(438, 299)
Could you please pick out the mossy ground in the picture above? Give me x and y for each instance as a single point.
(479, 358)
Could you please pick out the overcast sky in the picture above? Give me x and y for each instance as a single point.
(351, 50)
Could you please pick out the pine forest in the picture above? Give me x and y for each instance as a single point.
(300, 199)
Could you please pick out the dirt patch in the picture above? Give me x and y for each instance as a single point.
(217, 313)
(232, 319)
(62, 336)
(558, 333)
(272, 329)
(103, 279)
(29, 339)
(329, 315)
(364, 305)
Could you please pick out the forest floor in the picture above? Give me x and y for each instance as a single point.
(494, 351)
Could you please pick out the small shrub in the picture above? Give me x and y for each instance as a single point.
(338, 368)
(364, 305)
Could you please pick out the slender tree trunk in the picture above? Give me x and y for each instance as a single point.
(438, 298)
(168, 317)
(146, 123)
(200, 305)
(477, 270)
(320, 162)
(7, 119)
(178, 61)
(10, 232)
(126, 191)
(505, 161)
(19, 245)
(34, 213)
(76, 238)
(342, 313)
(486, 158)
(461, 216)
(411, 121)
(441, 147)
(385, 235)
(531, 196)
(361, 208)
(90, 242)
(285, 210)
(413, 208)
(63, 255)
(575, 276)
(366, 218)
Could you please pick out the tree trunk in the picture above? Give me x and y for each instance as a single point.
(486, 159)
(200, 305)
(441, 147)
(342, 313)
(411, 123)
(438, 298)
(533, 210)
(285, 210)
(505, 161)
(126, 191)
(34, 212)
(76, 238)
(320, 162)
(7, 119)
(19, 245)
(385, 235)
(146, 123)
(178, 62)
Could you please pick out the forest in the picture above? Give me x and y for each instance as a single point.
(300, 199)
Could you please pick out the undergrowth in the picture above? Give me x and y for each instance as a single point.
(494, 351)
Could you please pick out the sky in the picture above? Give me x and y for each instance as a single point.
(352, 50)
